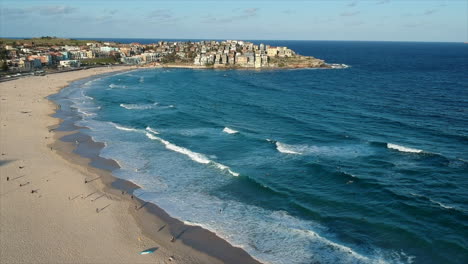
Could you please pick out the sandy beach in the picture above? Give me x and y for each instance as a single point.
(48, 214)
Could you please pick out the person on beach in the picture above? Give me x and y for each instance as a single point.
(7, 178)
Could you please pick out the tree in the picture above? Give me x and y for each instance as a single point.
(5, 66)
(3, 54)
(171, 57)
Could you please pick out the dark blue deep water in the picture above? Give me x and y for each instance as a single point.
(367, 164)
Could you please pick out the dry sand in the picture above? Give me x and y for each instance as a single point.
(58, 222)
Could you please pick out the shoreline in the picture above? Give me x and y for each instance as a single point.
(141, 225)
(233, 67)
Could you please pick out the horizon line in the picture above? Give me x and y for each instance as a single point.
(146, 38)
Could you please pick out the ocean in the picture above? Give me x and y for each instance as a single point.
(367, 164)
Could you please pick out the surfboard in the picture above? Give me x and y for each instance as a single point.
(149, 251)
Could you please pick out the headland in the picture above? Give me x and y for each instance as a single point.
(50, 54)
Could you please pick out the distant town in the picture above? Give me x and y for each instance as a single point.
(50, 53)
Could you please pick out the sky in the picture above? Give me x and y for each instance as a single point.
(374, 20)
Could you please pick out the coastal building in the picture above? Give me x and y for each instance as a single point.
(70, 63)
(228, 53)
(289, 52)
(241, 60)
(134, 60)
(272, 51)
(108, 49)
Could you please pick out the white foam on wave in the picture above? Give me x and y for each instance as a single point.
(225, 168)
(200, 158)
(85, 96)
(441, 204)
(112, 86)
(434, 202)
(327, 151)
(124, 128)
(138, 106)
(339, 66)
(88, 83)
(288, 149)
(152, 130)
(142, 79)
(151, 136)
(230, 131)
(128, 73)
(197, 157)
(84, 112)
(403, 149)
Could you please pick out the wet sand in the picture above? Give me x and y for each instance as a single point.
(48, 214)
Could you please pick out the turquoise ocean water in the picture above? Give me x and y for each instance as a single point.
(367, 164)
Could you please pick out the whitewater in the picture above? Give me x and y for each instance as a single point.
(298, 166)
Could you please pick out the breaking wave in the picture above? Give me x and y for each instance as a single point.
(288, 149)
(439, 204)
(138, 106)
(197, 157)
(403, 149)
(338, 66)
(84, 113)
(124, 128)
(230, 131)
(326, 151)
(152, 130)
(116, 86)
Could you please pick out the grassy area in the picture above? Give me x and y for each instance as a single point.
(46, 41)
(107, 60)
(287, 61)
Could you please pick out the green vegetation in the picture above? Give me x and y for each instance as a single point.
(169, 58)
(3, 54)
(46, 41)
(4, 66)
(106, 60)
(293, 61)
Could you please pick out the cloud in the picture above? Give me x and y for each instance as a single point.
(425, 13)
(412, 25)
(244, 14)
(164, 16)
(381, 2)
(430, 12)
(348, 14)
(289, 11)
(160, 14)
(112, 11)
(56, 10)
(250, 11)
(13, 11)
(41, 10)
(356, 23)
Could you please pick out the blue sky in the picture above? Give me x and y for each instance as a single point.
(392, 20)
